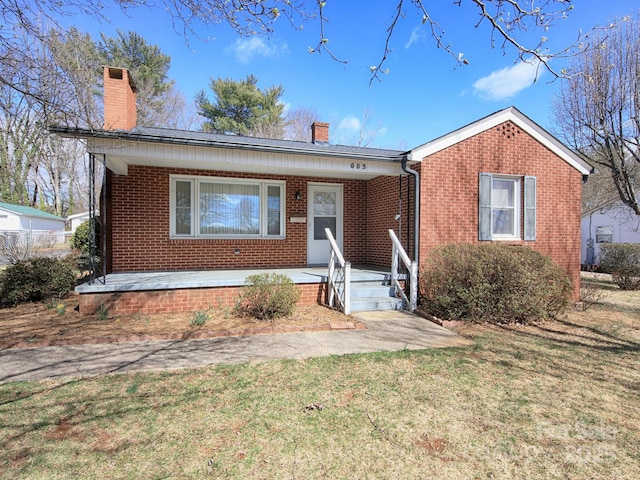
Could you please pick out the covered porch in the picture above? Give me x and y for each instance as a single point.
(183, 291)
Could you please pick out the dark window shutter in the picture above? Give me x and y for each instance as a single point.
(484, 221)
(530, 208)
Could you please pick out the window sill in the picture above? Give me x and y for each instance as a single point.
(225, 238)
(506, 239)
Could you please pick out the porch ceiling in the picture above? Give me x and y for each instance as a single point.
(120, 155)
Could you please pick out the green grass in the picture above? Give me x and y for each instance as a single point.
(555, 401)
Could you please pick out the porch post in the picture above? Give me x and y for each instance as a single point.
(347, 288)
(413, 288)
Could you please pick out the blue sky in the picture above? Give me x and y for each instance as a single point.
(425, 94)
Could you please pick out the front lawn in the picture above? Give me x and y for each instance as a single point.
(556, 400)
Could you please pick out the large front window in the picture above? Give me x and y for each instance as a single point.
(222, 207)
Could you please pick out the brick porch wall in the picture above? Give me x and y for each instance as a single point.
(449, 194)
(139, 226)
(181, 300)
(383, 199)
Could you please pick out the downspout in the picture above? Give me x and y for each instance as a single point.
(416, 209)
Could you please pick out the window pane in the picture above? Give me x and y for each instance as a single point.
(183, 208)
(503, 221)
(604, 234)
(320, 223)
(324, 203)
(503, 193)
(273, 210)
(229, 209)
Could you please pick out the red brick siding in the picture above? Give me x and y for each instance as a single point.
(139, 226)
(383, 199)
(449, 193)
(180, 300)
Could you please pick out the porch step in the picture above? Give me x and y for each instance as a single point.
(373, 295)
(375, 303)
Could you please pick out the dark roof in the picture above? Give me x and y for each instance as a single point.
(193, 138)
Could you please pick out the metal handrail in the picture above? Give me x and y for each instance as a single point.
(338, 278)
(398, 253)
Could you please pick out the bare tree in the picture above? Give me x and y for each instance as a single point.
(509, 22)
(597, 111)
(298, 123)
(367, 133)
(20, 147)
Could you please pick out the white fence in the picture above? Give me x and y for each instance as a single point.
(16, 245)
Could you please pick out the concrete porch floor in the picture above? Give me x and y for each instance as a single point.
(171, 280)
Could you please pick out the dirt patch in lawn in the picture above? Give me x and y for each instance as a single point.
(59, 323)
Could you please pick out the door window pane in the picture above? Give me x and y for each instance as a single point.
(320, 223)
(324, 203)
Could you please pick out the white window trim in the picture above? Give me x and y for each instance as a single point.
(195, 211)
(517, 235)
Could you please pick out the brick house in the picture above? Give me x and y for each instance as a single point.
(189, 214)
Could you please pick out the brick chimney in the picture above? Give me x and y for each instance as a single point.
(320, 133)
(119, 99)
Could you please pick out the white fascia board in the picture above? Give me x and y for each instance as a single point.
(515, 116)
(117, 166)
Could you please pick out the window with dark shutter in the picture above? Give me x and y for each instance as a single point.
(500, 210)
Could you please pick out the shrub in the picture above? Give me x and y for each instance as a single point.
(492, 283)
(80, 240)
(622, 261)
(267, 296)
(199, 318)
(36, 279)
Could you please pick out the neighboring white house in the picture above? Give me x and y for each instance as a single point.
(74, 221)
(609, 223)
(16, 218)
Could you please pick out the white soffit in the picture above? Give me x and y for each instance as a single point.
(120, 154)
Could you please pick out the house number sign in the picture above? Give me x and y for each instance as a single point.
(359, 166)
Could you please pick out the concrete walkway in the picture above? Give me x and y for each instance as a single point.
(386, 331)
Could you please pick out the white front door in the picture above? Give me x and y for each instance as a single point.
(324, 210)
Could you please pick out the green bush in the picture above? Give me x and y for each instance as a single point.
(80, 238)
(267, 296)
(622, 261)
(36, 279)
(492, 283)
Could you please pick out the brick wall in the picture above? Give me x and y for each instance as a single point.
(449, 193)
(180, 300)
(139, 226)
(383, 199)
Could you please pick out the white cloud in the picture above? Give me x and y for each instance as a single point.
(351, 124)
(507, 82)
(246, 49)
(417, 34)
